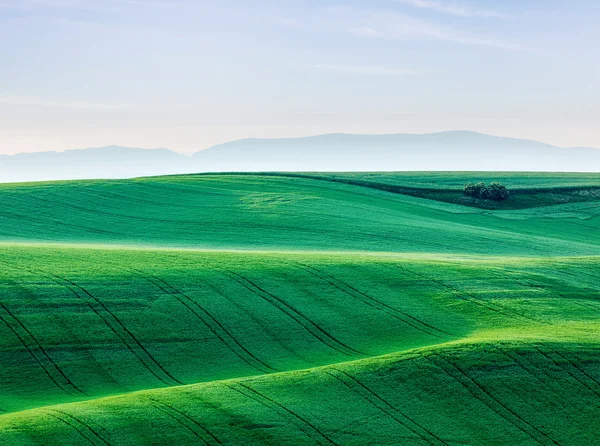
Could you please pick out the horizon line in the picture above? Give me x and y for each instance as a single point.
(292, 138)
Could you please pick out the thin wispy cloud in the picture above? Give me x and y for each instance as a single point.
(365, 31)
(402, 27)
(40, 4)
(60, 103)
(366, 70)
(453, 8)
(285, 22)
(91, 5)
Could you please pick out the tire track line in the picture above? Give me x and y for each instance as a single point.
(122, 334)
(570, 373)
(574, 364)
(126, 333)
(521, 363)
(178, 421)
(312, 328)
(187, 417)
(477, 390)
(45, 354)
(171, 412)
(79, 422)
(463, 295)
(278, 408)
(34, 356)
(528, 284)
(75, 428)
(211, 322)
(374, 303)
(426, 435)
(531, 370)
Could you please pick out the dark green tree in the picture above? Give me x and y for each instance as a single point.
(493, 191)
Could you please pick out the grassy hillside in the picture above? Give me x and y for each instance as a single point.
(278, 212)
(526, 190)
(477, 393)
(249, 309)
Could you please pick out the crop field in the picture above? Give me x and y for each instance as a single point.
(251, 309)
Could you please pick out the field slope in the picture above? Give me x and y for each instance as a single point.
(298, 309)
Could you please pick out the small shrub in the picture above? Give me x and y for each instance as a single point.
(493, 191)
(476, 190)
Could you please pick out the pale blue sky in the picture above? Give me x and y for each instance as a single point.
(187, 74)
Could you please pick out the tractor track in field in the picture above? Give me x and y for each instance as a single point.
(523, 363)
(72, 426)
(572, 373)
(278, 408)
(468, 297)
(349, 290)
(125, 333)
(528, 367)
(91, 301)
(178, 415)
(181, 423)
(528, 284)
(211, 322)
(389, 410)
(495, 405)
(594, 380)
(78, 422)
(39, 346)
(315, 330)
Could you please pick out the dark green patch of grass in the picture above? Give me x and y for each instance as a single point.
(542, 189)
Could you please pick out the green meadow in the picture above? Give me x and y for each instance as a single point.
(332, 309)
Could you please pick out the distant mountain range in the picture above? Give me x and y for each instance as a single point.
(457, 150)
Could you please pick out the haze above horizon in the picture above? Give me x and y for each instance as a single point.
(188, 75)
(442, 134)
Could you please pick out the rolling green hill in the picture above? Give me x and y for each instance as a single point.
(287, 213)
(278, 309)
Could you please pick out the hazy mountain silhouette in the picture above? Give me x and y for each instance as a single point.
(459, 150)
(101, 162)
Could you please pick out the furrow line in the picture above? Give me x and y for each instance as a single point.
(178, 421)
(312, 328)
(390, 405)
(213, 324)
(69, 287)
(278, 408)
(470, 298)
(124, 328)
(574, 364)
(479, 392)
(375, 303)
(570, 373)
(521, 364)
(586, 305)
(75, 428)
(33, 355)
(88, 427)
(188, 418)
(39, 346)
(389, 411)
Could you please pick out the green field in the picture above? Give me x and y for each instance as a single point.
(341, 309)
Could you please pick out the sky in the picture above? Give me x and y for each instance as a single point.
(188, 74)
